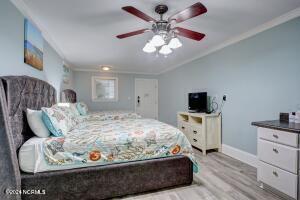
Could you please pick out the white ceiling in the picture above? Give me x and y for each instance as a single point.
(85, 30)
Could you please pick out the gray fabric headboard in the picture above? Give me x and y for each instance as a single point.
(68, 96)
(17, 93)
(24, 92)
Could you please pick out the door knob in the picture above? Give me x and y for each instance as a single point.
(138, 100)
(275, 150)
(275, 173)
(275, 136)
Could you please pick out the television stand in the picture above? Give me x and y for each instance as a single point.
(202, 130)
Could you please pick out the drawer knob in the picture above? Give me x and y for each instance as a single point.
(275, 173)
(195, 132)
(183, 127)
(275, 136)
(275, 150)
(195, 140)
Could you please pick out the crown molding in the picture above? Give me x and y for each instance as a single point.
(112, 71)
(275, 22)
(268, 25)
(25, 10)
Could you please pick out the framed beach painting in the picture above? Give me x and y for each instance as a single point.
(33, 46)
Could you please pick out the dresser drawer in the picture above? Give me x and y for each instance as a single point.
(281, 137)
(183, 126)
(196, 142)
(279, 179)
(282, 156)
(196, 132)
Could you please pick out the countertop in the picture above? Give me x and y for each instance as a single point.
(279, 125)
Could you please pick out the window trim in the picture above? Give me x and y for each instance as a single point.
(94, 99)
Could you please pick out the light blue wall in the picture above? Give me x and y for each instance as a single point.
(12, 49)
(83, 87)
(260, 75)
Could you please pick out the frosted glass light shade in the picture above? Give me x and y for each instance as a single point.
(175, 43)
(149, 48)
(157, 41)
(165, 50)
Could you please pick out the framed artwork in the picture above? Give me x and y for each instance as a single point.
(33, 46)
(104, 89)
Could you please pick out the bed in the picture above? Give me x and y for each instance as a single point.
(17, 93)
(70, 96)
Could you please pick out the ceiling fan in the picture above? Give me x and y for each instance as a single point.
(165, 34)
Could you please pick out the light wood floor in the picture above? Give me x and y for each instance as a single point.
(221, 178)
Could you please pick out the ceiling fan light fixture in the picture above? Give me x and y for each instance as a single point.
(149, 48)
(157, 41)
(165, 50)
(175, 43)
(165, 32)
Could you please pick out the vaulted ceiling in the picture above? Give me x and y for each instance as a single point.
(85, 31)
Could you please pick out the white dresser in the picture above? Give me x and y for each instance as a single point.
(278, 154)
(202, 130)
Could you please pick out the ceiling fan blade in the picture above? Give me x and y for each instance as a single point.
(189, 34)
(133, 33)
(188, 13)
(138, 13)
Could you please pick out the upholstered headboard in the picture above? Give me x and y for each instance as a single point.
(68, 96)
(17, 93)
(24, 92)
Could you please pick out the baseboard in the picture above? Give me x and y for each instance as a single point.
(238, 154)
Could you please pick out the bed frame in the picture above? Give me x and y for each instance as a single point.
(17, 93)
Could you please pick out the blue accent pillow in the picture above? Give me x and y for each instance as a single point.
(50, 126)
(82, 108)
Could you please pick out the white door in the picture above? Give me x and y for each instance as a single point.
(146, 98)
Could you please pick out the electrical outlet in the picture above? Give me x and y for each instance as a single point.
(224, 97)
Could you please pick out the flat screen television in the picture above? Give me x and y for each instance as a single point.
(198, 102)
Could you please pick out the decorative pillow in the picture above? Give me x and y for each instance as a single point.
(82, 108)
(58, 120)
(68, 111)
(71, 106)
(50, 126)
(34, 118)
(74, 109)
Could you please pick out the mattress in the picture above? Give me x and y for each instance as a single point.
(31, 158)
(104, 142)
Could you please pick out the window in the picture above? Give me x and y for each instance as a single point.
(104, 88)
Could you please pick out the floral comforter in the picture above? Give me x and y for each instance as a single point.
(115, 141)
(110, 115)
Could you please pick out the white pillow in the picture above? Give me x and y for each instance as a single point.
(34, 118)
